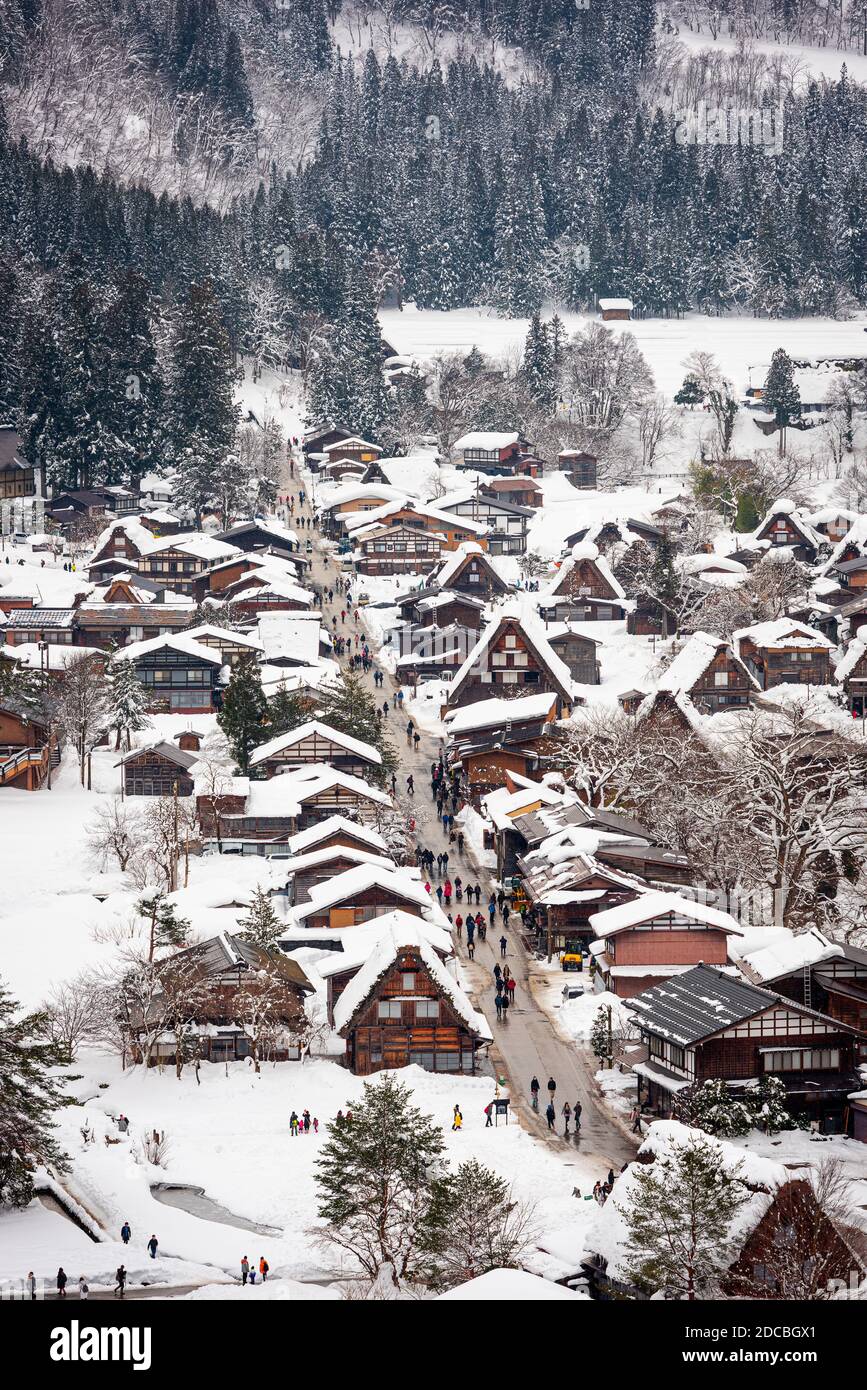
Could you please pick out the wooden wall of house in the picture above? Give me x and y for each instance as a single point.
(739, 1058)
(374, 1044)
(664, 947)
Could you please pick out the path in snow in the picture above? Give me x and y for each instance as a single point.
(528, 1043)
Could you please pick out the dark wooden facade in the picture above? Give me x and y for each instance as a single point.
(407, 1019)
(158, 771)
(510, 664)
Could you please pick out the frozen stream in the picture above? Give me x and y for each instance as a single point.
(194, 1201)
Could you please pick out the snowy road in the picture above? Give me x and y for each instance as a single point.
(528, 1042)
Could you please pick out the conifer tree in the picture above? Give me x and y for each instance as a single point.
(166, 928)
(244, 710)
(781, 395)
(127, 702)
(261, 924)
(538, 364)
(473, 1225)
(29, 1096)
(374, 1177)
(690, 393)
(679, 1219)
(351, 709)
(287, 710)
(200, 400)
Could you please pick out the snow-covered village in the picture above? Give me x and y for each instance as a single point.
(433, 659)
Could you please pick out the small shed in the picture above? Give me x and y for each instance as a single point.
(611, 309)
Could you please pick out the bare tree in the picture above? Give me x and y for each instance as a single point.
(115, 834)
(72, 1015)
(603, 377)
(83, 708)
(656, 422)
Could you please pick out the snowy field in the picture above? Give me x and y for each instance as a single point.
(736, 342)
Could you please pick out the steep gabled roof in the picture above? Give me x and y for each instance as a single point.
(344, 887)
(382, 958)
(785, 507)
(776, 633)
(583, 552)
(656, 904)
(315, 726)
(333, 825)
(856, 649)
(454, 564)
(533, 633)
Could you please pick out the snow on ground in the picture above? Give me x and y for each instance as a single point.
(737, 342)
(802, 60)
(230, 1136)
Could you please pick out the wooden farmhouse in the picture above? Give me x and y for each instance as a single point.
(344, 470)
(512, 657)
(468, 570)
(315, 742)
(834, 523)
(353, 498)
(650, 618)
(274, 810)
(784, 651)
(584, 589)
(851, 673)
(362, 893)
(519, 491)
(396, 550)
(18, 477)
(175, 563)
(616, 530)
(852, 575)
(404, 1008)
(786, 525)
(305, 873)
(124, 612)
(125, 540)
(710, 1025)
(37, 624)
(161, 522)
(814, 970)
(266, 591)
(655, 936)
(705, 677)
(324, 436)
(415, 519)
(566, 895)
(216, 983)
(493, 737)
(580, 466)
(354, 448)
(506, 522)
(613, 309)
(489, 451)
(436, 607)
(433, 652)
(230, 646)
(179, 674)
(158, 769)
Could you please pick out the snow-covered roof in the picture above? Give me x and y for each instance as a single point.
(286, 794)
(790, 952)
(486, 439)
(381, 959)
(850, 658)
(360, 492)
(178, 642)
(315, 726)
(403, 883)
(657, 904)
(781, 632)
(452, 562)
(197, 543)
(511, 1285)
(784, 506)
(615, 304)
(131, 526)
(359, 941)
(691, 662)
(332, 825)
(489, 713)
(224, 635)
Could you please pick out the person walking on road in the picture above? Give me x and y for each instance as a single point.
(245, 1270)
(153, 1244)
(552, 1087)
(503, 944)
(125, 1232)
(505, 1006)
(61, 1282)
(264, 1268)
(120, 1280)
(576, 1111)
(534, 1093)
(635, 1117)
(499, 1004)
(83, 1287)
(550, 1116)
(410, 785)
(567, 1115)
(510, 986)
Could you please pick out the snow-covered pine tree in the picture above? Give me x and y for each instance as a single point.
(30, 1094)
(373, 1178)
(287, 709)
(165, 926)
(679, 1219)
(538, 363)
(261, 923)
(200, 399)
(473, 1225)
(781, 395)
(127, 702)
(350, 708)
(244, 711)
(712, 1107)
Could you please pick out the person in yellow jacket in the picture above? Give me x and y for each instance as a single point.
(458, 1121)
